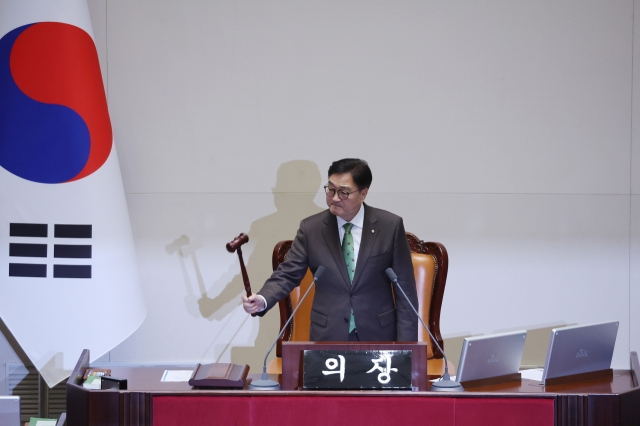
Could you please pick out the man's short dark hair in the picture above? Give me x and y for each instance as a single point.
(359, 170)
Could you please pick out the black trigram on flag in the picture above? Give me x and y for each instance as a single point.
(29, 240)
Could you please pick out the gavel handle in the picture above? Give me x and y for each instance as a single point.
(245, 277)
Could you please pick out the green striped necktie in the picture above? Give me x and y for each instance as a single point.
(350, 259)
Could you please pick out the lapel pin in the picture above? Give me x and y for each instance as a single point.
(373, 231)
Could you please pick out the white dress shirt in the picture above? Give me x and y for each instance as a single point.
(356, 230)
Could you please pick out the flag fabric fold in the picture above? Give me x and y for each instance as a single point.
(68, 276)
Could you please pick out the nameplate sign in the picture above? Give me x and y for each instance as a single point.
(357, 369)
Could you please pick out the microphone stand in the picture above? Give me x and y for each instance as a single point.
(265, 383)
(445, 384)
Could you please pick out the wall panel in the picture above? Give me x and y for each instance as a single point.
(528, 97)
(192, 285)
(501, 129)
(526, 261)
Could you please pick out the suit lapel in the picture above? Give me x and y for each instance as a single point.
(370, 232)
(332, 238)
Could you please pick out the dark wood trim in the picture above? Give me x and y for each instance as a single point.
(286, 307)
(76, 377)
(635, 368)
(441, 257)
(605, 402)
(135, 409)
(515, 377)
(577, 378)
(630, 408)
(571, 410)
(77, 396)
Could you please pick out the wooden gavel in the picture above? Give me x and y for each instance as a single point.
(234, 245)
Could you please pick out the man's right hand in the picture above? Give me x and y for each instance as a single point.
(252, 304)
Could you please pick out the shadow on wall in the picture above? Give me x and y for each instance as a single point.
(184, 249)
(297, 184)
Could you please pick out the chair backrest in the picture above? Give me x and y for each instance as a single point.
(430, 265)
(299, 328)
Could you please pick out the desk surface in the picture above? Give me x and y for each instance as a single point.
(148, 379)
(150, 402)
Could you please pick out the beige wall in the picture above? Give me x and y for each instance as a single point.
(505, 130)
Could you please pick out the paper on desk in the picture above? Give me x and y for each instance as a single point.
(533, 374)
(176, 375)
(438, 379)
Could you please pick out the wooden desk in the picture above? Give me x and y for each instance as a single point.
(148, 401)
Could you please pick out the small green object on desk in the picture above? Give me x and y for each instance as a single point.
(92, 382)
(34, 421)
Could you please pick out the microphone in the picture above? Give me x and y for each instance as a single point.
(265, 383)
(445, 384)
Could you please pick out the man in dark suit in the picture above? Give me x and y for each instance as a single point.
(356, 243)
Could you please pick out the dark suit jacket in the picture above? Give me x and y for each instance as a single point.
(378, 317)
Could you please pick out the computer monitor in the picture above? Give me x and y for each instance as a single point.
(580, 349)
(490, 356)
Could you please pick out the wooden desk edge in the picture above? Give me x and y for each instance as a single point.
(635, 368)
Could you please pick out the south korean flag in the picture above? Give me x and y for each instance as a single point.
(66, 248)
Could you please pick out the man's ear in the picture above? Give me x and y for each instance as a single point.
(364, 193)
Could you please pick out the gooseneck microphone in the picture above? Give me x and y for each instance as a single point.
(445, 384)
(265, 383)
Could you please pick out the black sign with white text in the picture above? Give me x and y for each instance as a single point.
(358, 369)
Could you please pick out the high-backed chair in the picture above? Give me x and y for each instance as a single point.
(430, 265)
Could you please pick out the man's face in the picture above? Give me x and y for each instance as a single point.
(346, 209)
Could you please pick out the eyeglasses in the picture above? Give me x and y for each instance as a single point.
(342, 194)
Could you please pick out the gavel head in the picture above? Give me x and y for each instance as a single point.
(237, 242)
